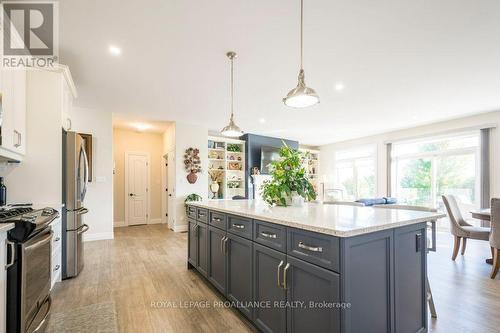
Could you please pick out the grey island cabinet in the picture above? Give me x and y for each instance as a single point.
(317, 268)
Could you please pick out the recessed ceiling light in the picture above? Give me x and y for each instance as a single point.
(115, 50)
(262, 120)
(339, 86)
(141, 126)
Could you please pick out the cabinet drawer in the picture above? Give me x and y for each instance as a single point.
(271, 235)
(218, 220)
(318, 249)
(191, 212)
(202, 215)
(239, 226)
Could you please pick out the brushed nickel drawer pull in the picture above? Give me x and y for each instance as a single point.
(238, 226)
(278, 273)
(310, 248)
(216, 219)
(268, 234)
(201, 214)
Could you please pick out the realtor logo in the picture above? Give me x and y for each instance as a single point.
(29, 33)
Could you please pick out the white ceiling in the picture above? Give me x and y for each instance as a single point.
(403, 62)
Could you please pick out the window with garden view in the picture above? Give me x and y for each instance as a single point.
(424, 170)
(355, 173)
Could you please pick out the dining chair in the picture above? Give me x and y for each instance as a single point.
(495, 236)
(460, 228)
(430, 299)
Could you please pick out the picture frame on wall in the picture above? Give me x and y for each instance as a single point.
(87, 139)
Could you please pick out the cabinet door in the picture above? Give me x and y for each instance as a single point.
(19, 79)
(3, 281)
(409, 279)
(239, 272)
(192, 244)
(217, 258)
(312, 293)
(266, 289)
(202, 243)
(9, 138)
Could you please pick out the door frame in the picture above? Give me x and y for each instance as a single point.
(164, 187)
(148, 196)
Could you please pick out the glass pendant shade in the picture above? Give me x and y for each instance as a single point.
(232, 130)
(301, 96)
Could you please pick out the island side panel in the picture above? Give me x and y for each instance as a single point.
(366, 282)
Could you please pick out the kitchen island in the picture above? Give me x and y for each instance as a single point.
(316, 268)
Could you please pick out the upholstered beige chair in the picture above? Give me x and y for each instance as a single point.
(460, 228)
(495, 236)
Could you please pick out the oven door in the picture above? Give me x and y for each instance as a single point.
(35, 283)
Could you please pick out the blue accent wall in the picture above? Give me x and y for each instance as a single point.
(253, 146)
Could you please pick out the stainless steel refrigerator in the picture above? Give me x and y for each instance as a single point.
(75, 179)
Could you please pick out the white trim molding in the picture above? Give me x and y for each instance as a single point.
(98, 236)
(119, 224)
(180, 228)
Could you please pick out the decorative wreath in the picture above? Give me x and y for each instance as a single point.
(192, 161)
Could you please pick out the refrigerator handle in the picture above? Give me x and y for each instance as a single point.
(85, 172)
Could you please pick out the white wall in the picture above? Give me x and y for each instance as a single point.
(328, 151)
(187, 136)
(37, 179)
(99, 197)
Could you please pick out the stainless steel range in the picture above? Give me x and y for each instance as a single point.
(28, 266)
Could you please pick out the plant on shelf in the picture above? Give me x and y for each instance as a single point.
(215, 176)
(288, 179)
(234, 148)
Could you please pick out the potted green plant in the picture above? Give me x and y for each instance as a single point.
(288, 179)
(192, 197)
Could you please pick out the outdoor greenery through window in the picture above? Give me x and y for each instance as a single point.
(355, 172)
(425, 170)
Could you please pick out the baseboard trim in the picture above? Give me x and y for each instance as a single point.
(98, 236)
(180, 228)
(155, 221)
(119, 224)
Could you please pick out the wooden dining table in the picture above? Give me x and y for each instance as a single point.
(483, 214)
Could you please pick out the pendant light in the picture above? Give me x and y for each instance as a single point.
(232, 130)
(301, 96)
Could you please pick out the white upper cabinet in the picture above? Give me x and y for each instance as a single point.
(13, 114)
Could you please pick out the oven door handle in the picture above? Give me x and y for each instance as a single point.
(12, 246)
(82, 229)
(41, 242)
(49, 300)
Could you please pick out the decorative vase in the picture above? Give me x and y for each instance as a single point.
(214, 187)
(297, 200)
(192, 177)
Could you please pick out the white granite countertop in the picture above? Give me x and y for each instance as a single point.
(336, 220)
(4, 227)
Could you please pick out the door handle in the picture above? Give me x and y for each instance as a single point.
(279, 273)
(84, 228)
(82, 211)
(225, 245)
(418, 241)
(284, 275)
(132, 195)
(222, 244)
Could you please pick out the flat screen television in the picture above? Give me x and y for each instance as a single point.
(268, 155)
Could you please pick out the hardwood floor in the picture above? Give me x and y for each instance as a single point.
(144, 268)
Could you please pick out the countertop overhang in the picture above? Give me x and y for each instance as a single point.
(335, 220)
(4, 227)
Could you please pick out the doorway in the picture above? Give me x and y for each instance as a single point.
(137, 179)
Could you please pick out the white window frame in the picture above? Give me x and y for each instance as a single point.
(352, 161)
(433, 157)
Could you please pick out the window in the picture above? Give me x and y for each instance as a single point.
(355, 172)
(424, 170)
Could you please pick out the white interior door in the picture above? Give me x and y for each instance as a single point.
(136, 189)
(171, 189)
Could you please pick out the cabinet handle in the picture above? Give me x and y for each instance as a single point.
(216, 219)
(238, 226)
(57, 267)
(268, 234)
(310, 248)
(225, 245)
(284, 275)
(70, 124)
(20, 138)
(201, 215)
(12, 253)
(418, 241)
(278, 273)
(222, 244)
(17, 139)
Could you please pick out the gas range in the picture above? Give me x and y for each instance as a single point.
(28, 221)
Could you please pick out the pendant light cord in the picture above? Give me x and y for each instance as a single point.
(232, 89)
(301, 33)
